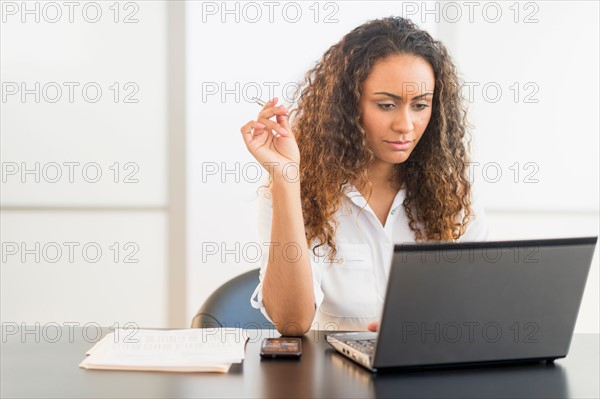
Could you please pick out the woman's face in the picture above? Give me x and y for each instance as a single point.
(395, 106)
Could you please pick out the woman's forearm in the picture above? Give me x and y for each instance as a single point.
(288, 285)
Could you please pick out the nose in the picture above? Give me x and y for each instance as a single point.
(402, 120)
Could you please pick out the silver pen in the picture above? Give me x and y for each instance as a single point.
(262, 103)
(259, 101)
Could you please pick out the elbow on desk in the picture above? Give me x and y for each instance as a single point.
(291, 320)
(292, 328)
(292, 325)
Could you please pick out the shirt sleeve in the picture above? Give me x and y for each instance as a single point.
(477, 229)
(265, 217)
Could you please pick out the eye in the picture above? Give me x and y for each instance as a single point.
(421, 106)
(385, 107)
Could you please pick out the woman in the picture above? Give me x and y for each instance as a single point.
(379, 141)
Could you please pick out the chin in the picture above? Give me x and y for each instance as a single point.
(401, 161)
(399, 158)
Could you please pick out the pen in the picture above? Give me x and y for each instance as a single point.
(262, 103)
(259, 101)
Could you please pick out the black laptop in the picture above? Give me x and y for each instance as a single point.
(463, 304)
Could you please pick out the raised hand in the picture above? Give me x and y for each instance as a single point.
(272, 143)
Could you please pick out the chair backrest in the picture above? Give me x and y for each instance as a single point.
(229, 306)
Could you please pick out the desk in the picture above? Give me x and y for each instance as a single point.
(46, 369)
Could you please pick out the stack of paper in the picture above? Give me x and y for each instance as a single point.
(187, 350)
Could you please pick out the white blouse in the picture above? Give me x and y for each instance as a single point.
(349, 294)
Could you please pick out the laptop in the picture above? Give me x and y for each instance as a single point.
(464, 304)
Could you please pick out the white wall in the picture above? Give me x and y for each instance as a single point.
(557, 135)
(551, 129)
(128, 135)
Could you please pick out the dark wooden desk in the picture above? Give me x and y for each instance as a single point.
(46, 369)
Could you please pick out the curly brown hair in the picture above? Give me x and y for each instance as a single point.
(332, 142)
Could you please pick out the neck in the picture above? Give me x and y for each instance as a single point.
(381, 173)
(381, 176)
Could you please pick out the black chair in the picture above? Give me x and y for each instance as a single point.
(229, 306)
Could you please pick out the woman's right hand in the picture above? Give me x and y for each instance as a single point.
(272, 143)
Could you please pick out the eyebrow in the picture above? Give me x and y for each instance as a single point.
(397, 97)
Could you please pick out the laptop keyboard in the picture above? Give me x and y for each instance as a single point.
(364, 345)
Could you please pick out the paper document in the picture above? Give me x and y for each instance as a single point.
(187, 350)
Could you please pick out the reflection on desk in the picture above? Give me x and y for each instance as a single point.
(46, 369)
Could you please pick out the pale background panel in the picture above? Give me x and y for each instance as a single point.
(129, 207)
(560, 179)
(122, 283)
(534, 101)
(119, 132)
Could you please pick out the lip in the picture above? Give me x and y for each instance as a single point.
(399, 145)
